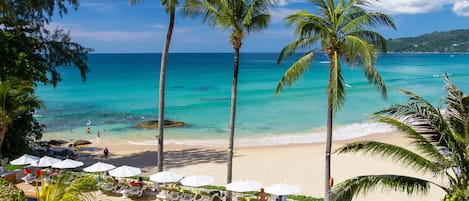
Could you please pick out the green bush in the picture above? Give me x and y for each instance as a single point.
(8, 192)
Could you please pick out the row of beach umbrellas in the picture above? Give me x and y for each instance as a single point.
(238, 186)
(160, 177)
(46, 161)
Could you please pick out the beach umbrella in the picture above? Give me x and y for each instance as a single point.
(67, 163)
(45, 161)
(99, 167)
(165, 177)
(282, 189)
(197, 180)
(125, 171)
(243, 186)
(25, 159)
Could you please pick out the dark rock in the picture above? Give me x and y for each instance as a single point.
(57, 142)
(81, 142)
(154, 124)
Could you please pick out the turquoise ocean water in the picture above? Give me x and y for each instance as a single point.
(122, 90)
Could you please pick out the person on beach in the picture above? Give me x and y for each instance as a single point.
(106, 153)
(98, 135)
(88, 130)
(262, 196)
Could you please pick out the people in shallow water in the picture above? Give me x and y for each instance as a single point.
(88, 130)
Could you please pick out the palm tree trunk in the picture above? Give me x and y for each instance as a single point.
(327, 192)
(3, 131)
(327, 196)
(164, 58)
(234, 89)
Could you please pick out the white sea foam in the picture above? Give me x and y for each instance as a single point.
(316, 136)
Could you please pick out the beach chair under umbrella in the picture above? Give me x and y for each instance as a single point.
(67, 164)
(45, 161)
(197, 180)
(243, 186)
(282, 189)
(125, 171)
(165, 177)
(25, 159)
(99, 167)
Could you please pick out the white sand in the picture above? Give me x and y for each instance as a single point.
(298, 164)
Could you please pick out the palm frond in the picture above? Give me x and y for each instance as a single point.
(421, 115)
(396, 153)
(258, 23)
(457, 110)
(363, 19)
(300, 44)
(423, 144)
(358, 49)
(364, 184)
(371, 37)
(336, 83)
(295, 71)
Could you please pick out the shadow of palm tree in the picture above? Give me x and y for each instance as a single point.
(173, 159)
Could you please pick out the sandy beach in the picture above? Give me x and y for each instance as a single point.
(298, 164)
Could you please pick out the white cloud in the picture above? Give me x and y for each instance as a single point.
(278, 14)
(158, 26)
(115, 35)
(461, 8)
(409, 6)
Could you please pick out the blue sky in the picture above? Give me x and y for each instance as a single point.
(113, 26)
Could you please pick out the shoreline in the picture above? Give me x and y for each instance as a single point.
(316, 135)
(297, 164)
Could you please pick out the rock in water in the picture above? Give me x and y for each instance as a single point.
(154, 124)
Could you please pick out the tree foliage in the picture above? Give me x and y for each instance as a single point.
(446, 41)
(344, 31)
(31, 52)
(8, 192)
(79, 189)
(441, 138)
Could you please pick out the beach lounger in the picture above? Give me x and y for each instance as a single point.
(186, 197)
(216, 197)
(163, 195)
(135, 191)
(198, 197)
(174, 196)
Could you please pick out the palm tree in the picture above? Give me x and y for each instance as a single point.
(80, 189)
(170, 8)
(241, 17)
(16, 98)
(440, 136)
(342, 29)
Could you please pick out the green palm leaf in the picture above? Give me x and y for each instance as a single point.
(396, 153)
(423, 144)
(295, 71)
(365, 184)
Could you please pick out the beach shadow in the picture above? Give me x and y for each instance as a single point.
(173, 159)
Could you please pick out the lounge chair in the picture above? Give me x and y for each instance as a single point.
(174, 196)
(216, 197)
(135, 191)
(186, 196)
(198, 197)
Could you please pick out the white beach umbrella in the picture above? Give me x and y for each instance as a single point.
(197, 180)
(45, 161)
(125, 171)
(282, 189)
(165, 177)
(67, 163)
(243, 186)
(99, 167)
(25, 159)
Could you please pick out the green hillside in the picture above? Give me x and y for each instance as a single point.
(449, 41)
